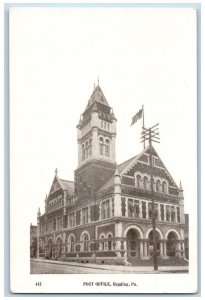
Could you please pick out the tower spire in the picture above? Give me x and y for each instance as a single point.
(98, 80)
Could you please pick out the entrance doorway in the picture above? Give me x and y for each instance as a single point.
(133, 246)
(171, 243)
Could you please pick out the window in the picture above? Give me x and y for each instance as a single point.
(178, 215)
(133, 208)
(85, 215)
(150, 210)
(109, 242)
(164, 187)
(138, 181)
(106, 209)
(72, 219)
(172, 213)
(158, 186)
(85, 239)
(107, 148)
(162, 211)
(101, 146)
(102, 244)
(71, 243)
(83, 152)
(145, 183)
(167, 213)
(144, 213)
(90, 148)
(84, 184)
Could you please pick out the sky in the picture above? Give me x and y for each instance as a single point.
(141, 56)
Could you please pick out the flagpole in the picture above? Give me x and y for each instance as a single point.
(143, 121)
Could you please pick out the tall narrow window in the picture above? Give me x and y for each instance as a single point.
(86, 150)
(85, 239)
(172, 213)
(145, 183)
(90, 148)
(101, 146)
(109, 242)
(167, 213)
(107, 148)
(138, 181)
(144, 214)
(164, 187)
(85, 215)
(158, 186)
(83, 152)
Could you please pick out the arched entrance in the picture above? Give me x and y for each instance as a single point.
(49, 249)
(150, 237)
(133, 243)
(171, 243)
(59, 247)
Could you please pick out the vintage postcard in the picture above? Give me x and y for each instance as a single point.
(103, 149)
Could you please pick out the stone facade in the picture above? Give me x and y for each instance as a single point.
(105, 215)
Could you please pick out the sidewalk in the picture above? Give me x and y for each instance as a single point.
(123, 269)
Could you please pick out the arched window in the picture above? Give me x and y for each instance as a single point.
(71, 242)
(138, 181)
(145, 183)
(164, 187)
(107, 147)
(158, 186)
(90, 147)
(109, 242)
(102, 244)
(101, 145)
(85, 239)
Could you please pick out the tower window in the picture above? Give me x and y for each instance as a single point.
(101, 145)
(84, 184)
(107, 148)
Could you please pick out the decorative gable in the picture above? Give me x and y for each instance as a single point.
(55, 185)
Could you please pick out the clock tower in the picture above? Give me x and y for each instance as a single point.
(96, 145)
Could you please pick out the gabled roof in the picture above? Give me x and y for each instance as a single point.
(97, 96)
(124, 167)
(66, 185)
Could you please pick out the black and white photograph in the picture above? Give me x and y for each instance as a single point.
(103, 149)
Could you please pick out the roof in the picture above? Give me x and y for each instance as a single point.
(97, 96)
(124, 167)
(67, 184)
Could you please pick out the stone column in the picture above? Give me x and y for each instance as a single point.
(159, 212)
(161, 250)
(126, 207)
(147, 212)
(145, 250)
(125, 248)
(118, 234)
(165, 249)
(141, 249)
(140, 207)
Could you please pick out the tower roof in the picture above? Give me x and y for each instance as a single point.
(97, 96)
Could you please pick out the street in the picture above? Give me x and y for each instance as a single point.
(40, 266)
